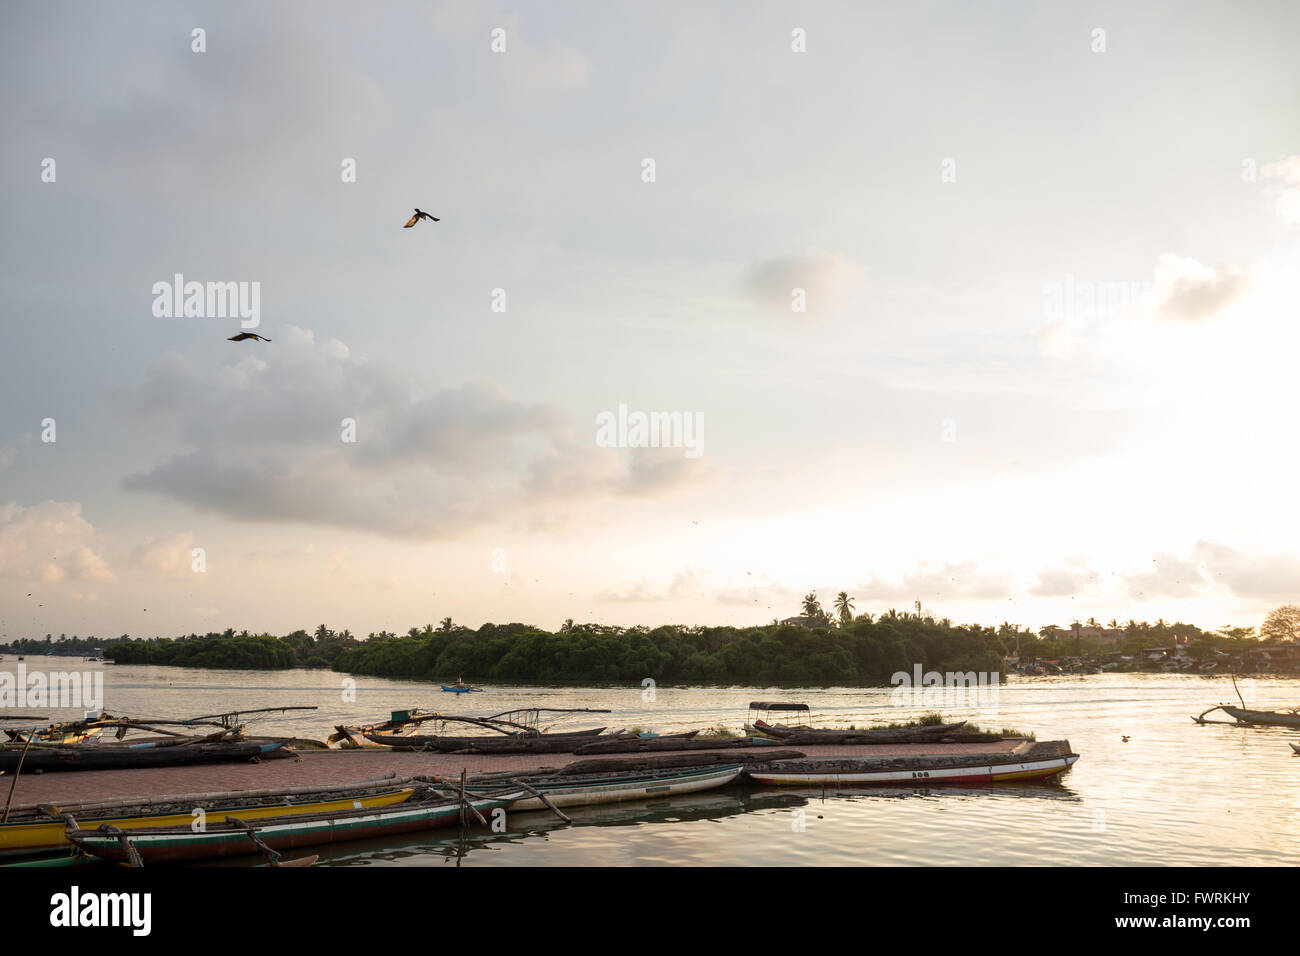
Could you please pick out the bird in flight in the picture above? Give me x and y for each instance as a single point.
(247, 335)
(417, 217)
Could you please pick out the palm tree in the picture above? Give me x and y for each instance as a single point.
(445, 624)
(844, 605)
(811, 606)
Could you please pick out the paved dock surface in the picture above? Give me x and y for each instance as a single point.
(323, 767)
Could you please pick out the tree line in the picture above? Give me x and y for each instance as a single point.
(815, 648)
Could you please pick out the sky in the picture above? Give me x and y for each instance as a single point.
(988, 306)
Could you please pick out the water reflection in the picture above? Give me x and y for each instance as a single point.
(1172, 793)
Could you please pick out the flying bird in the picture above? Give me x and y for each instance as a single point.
(247, 335)
(417, 217)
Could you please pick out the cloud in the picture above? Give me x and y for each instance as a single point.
(1264, 577)
(1283, 179)
(688, 583)
(1186, 290)
(49, 543)
(965, 579)
(827, 278)
(532, 73)
(267, 439)
(1273, 577)
(168, 557)
(1063, 582)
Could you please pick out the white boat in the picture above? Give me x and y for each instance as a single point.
(1037, 762)
(580, 790)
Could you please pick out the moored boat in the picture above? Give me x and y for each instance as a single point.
(1037, 761)
(502, 744)
(153, 845)
(1258, 718)
(43, 829)
(580, 790)
(57, 757)
(756, 724)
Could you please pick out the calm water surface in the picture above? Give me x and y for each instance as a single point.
(1175, 793)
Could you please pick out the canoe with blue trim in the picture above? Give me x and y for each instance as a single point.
(1038, 761)
(177, 844)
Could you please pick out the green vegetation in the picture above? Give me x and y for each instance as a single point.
(849, 650)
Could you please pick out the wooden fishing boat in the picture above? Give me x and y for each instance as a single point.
(125, 757)
(756, 724)
(43, 828)
(581, 790)
(866, 735)
(401, 723)
(461, 690)
(629, 744)
(151, 845)
(54, 736)
(1296, 748)
(1032, 761)
(521, 744)
(1260, 718)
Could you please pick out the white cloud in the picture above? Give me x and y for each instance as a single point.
(49, 542)
(265, 441)
(1188, 290)
(828, 279)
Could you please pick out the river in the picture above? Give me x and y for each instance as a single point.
(1174, 793)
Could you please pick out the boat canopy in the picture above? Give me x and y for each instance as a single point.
(776, 705)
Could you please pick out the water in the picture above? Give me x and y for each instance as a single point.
(1175, 794)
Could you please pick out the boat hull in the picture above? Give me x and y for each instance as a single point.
(31, 838)
(1029, 761)
(173, 845)
(589, 791)
(986, 773)
(1263, 718)
(72, 757)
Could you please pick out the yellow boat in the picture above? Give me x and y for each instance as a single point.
(34, 832)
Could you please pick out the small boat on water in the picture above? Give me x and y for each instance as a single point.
(1257, 718)
(510, 744)
(1030, 761)
(42, 828)
(1296, 748)
(58, 757)
(757, 725)
(460, 687)
(581, 790)
(151, 845)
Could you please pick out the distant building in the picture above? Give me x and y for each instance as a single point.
(1102, 635)
(802, 621)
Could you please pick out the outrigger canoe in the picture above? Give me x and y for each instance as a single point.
(47, 758)
(153, 845)
(43, 829)
(506, 744)
(1035, 762)
(580, 790)
(1263, 718)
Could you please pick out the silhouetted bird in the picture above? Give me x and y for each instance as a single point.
(418, 216)
(247, 335)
